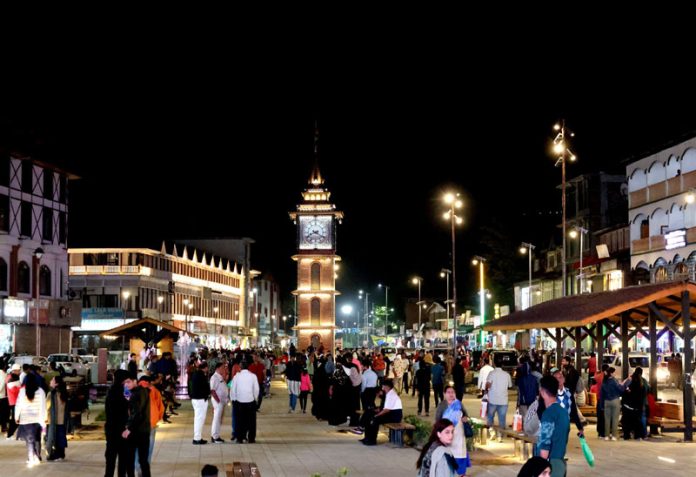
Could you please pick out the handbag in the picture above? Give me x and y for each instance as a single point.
(468, 430)
(517, 421)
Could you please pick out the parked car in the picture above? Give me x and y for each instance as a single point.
(506, 359)
(39, 361)
(71, 364)
(635, 360)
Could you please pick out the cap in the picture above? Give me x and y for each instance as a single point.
(554, 369)
(16, 367)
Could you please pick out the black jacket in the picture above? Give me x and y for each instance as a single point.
(139, 411)
(200, 386)
(116, 410)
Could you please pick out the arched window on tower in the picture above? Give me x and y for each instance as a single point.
(316, 311)
(23, 278)
(316, 276)
(45, 281)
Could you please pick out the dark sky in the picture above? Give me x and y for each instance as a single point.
(168, 152)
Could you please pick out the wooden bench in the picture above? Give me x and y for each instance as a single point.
(396, 432)
(590, 408)
(242, 469)
(667, 417)
(522, 443)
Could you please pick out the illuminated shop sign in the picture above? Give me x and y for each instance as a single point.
(675, 239)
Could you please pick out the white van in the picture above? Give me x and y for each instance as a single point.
(635, 360)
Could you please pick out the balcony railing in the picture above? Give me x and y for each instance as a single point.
(675, 185)
(105, 269)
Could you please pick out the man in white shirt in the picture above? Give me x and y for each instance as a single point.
(391, 412)
(498, 383)
(218, 393)
(244, 393)
(483, 374)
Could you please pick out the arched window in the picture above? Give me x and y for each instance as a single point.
(316, 276)
(3, 275)
(316, 311)
(660, 274)
(641, 274)
(23, 278)
(681, 271)
(45, 281)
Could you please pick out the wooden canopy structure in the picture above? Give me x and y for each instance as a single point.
(623, 313)
(147, 329)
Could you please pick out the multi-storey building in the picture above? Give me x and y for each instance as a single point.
(266, 305)
(190, 289)
(662, 213)
(33, 257)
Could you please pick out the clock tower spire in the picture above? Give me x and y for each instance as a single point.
(316, 219)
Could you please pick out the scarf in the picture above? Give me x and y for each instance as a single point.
(454, 412)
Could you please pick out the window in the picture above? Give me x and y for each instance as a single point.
(4, 213)
(316, 311)
(63, 189)
(3, 275)
(5, 170)
(47, 224)
(26, 219)
(681, 271)
(615, 280)
(48, 184)
(27, 176)
(316, 276)
(45, 281)
(23, 278)
(645, 229)
(660, 274)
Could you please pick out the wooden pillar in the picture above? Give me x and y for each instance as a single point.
(599, 333)
(688, 357)
(559, 347)
(578, 350)
(624, 345)
(652, 330)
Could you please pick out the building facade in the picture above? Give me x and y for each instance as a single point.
(191, 289)
(265, 298)
(662, 214)
(33, 257)
(316, 219)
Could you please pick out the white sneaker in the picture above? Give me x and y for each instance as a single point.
(606, 438)
(613, 438)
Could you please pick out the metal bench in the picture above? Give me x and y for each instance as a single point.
(242, 469)
(522, 443)
(396, 432)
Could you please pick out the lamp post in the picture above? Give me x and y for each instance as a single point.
(417, 281)
(479, 261)
(346, 310)
(216, 337)
(285, 327)
(126, 296)
(454, 202)
(160, 300)
(38, 253)
(386, 310)
(528, 248)
(563, 153)
(365, 313)
(578, 230)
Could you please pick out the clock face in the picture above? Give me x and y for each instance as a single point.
(315, 232)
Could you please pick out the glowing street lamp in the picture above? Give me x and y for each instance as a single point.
(417, 281)
(453, 201)
(528, 248)
(563, 153)
(574, 234)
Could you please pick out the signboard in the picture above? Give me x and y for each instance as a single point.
(102, 313)
(14, 311)
(675, 239)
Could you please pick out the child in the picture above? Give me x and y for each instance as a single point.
(305, 389)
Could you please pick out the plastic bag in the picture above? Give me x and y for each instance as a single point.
(517, 421)
(587, 452)
(484, 408)
(468, 430)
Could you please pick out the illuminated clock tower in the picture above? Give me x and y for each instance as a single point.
(316, 219)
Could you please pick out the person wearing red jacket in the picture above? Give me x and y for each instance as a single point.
(257, 368)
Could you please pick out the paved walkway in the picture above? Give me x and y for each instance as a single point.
(292, 445)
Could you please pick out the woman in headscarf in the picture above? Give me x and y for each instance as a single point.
(320, 390)
(452, 409)
(57, 404)
(436, 459)
(116, 410)
(535, 467)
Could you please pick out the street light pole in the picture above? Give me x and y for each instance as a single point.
(528, 248)
(386, 310)
(454, 202)
(573, 234)
(561, 149)
(479, 261)
(38, 253)
(417, 281)
(126, 296)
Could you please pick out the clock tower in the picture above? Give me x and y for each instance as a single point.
(316, 219)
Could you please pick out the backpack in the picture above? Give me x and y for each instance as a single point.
(355, 377)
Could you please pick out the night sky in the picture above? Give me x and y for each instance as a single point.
(171, 154)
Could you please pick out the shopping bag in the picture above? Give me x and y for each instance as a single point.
(517, 421)
(484, 408)
(589, 456)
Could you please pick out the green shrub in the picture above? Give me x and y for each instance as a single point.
(342, 472)
(422, 432)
